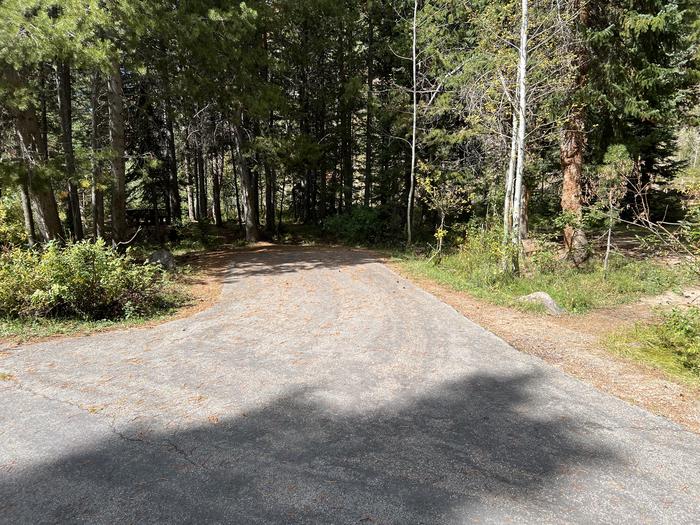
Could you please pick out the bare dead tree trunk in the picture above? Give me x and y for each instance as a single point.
(115, 92)
(63, 81)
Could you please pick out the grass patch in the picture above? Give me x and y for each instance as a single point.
(671, 345)
(475, 268)
(23, 330)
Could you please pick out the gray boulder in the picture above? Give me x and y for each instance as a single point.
(164, 258)
(545, 300)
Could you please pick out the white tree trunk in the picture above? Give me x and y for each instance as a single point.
(522, 107)
(510, 179)
(412, 184)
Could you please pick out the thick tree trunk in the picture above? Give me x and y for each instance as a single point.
(98, 208)
(63, 81)
(572, 147)
(32, 149)
(115, 91)
(571, 150)
(248, 189)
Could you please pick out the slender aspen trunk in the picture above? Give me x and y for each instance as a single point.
(412, 181)
(510, 180)
(520, 164)
(608, 245)
(115, 92)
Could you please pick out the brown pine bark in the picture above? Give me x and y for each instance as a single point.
(32, 151)
(572, 147)
(118, 161)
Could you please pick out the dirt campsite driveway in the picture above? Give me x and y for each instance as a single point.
(324, 388)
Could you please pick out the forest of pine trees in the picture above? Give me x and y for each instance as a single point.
(408, 114)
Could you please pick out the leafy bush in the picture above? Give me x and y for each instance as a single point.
(11, 222)
(672, 344)
(84, 280)
(680, 334)
(369, 226)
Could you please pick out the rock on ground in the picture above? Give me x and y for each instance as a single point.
(545, 300)
(164, 258)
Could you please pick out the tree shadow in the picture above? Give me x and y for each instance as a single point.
(282, 259)
(465, 447)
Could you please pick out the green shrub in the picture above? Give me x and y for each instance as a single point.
(84, 280)
(673, 344)
(11, 222)
(680, 334)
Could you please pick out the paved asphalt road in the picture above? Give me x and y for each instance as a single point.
(323, 388)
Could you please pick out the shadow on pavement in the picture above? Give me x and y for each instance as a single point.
(274, 260)
(463, 448)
